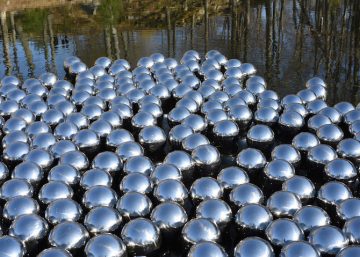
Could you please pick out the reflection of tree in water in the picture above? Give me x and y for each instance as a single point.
(288, 41)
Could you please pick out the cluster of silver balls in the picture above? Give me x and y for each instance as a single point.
(195, 157)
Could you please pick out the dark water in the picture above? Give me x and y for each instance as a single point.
(287, 40)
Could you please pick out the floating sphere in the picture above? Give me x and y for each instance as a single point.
(328, 239)
(321, 155)
(279, 170)
(95, 177)
(77, 159)
(152, 138)
(61, 147)
(350, 149)
(15, 187)
(16, 151)
(340, 169)
(196, 122)
(68, 235)
(29, 171)
(105, 245)
(286, 152)
(171, 190)
(283, 204)
(283, 231)
(118, 136)
(206, 158)
(182, 160)
(107, 161)
(310, 217)
(178, 133)
(141, 236)
(333, 193)
(344, 107)
(193, 141)
(61, 210)
(54, 190)
(242, 115)
(169, 216)
(329, 134)
(266, 115)
(260, 136)
(129, 149)
(351, 230)
(251, 159)
(217, 210)
(304, 141)
(254, 247)
(348, 209)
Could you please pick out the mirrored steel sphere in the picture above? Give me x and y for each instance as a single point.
(330, 134)
(260, 136)
(205, 188)
(349, 251)
(253, 218)
(304, 141)
(15, 187)
(310, 217)
(178, 133)
(300, 248)
(65, 173)
(340, 169)
(152, 137)
(206, 158)
(328, 239)
(141, 236)
(165, 171)
(16, 151)
(279, 170)
(254, 247)
(95, 177)
(41, 157)
(350, 149)
(301, 186)
(231, 177)
(107, 161)
(251, 159)
(266, 115)
(105, 245)
(286, 152)
(344, 107)
(199, 230)
(118, 136)
(68, 235)
(99, 196)
(133, 205)
(61, 210)
(217, 210)
(29, 228)
(11, 246)
(136, 182)
(283, 204)
(61, 147)
(25, 114)
(210, 249)
(29, 171)
(246, 193)
(348, 209)
(182, 160)
(129, 149)
(171, 190)
(321, 154)
(54, 252)
(169, 217)
(333, 193)
(54, 190)
(282, 231)
(102, 219)
(77, 159)
(65, 130)
(351, 230)
(20, 205)
(291, 121)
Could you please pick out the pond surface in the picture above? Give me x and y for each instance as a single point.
(288, 41)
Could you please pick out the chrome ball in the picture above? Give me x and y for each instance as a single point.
(12, 247)
(286, 152)
(152, 138)
(340, 169)
(254, 247)
(328, 239)
(251, 159)
(105, 245)
(301, 186)
(199, 230)
(206, 158)
(43, 141)
(351, 230)
(140, 164)
(169, 216)
(344, 107)
(77, 159)
(231, 177)
(217, 210)
(205, 188)
(253, 217)
(317, 121)
(304, 141)
(136, 182)
(216, 115)
(183, 161)
(310, 217)
(129, 149)
(193, 141)
(143, 119)
(54, 251)
(330, 134)
(165, 171)
(279, 170)
(283, 231)
(118, 136)
(68, 235)
(18, 206)
(61, 210)
(16, 151)
(260, 136)
(266, 115)
(299, 248)
(65, 173)
(207, 249)
(15, 187)
(348, 209)
(61, 147)
(65, 130)
(41, 157)
(333, 114)
(246, 193)
(321, 154)
(242, 115)
(102, 219)
(133, 205)
(178, 133)
(95, 177)
(99, 196)
(29, 228)
(107, 161)
(29, 171)
(141, 236)
(333, 193)
(16, 136)
(350, 149)
(291, 121)
(171, 190)
(54, 190)
(283, 204)
(316, 106)
(349, 251)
